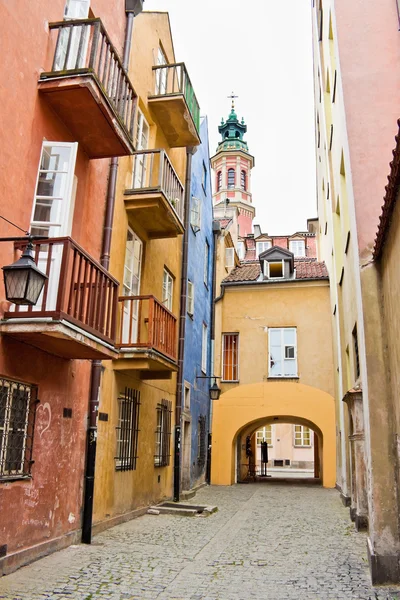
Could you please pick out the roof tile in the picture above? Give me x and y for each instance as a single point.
(305, 269)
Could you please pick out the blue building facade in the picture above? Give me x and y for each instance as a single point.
(197, 356)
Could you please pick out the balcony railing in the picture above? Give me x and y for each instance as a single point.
(78, 289)
(146, 323)
(153, 172)
(172, 80)
(84, 47)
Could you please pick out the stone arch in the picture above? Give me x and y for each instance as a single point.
(247, 405)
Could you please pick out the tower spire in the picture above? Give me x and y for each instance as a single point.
(232, 96)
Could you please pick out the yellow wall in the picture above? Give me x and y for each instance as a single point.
(250, 310)
(120, 492)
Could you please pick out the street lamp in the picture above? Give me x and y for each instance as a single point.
(215, 391)
(23, 280)
(134, 6)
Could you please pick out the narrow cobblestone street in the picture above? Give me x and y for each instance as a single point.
(275, 542)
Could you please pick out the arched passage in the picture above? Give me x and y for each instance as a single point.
(247, 405)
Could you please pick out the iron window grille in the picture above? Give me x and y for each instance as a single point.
(128, 430)
(163, 434)
(201, 442)
(17, 423)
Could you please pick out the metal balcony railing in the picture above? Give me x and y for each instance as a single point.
(84, 47)
(153, 172)
(146, 323)
(172, 80)
(78, 289)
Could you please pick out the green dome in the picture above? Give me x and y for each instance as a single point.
(232, 132)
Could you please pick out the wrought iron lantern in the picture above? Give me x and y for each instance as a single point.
(23, 280)
(215, 391)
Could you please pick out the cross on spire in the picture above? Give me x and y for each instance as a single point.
(232, 96)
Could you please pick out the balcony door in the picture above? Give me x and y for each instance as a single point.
(131, 287)
(161, 74)
(141, 143)
(53, 209)
(71, 51)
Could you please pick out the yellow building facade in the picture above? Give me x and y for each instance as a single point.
(138, 390)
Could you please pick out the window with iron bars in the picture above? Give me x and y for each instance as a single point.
(17, 423)
(163, 434)
(127, 430)
(201, 442)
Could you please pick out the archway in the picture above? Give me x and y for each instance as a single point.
(247, 405)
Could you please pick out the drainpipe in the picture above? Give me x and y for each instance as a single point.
(216, 229)
(182, 325)
(95, 377)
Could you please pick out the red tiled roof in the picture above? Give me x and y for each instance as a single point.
(389, 199)
(305, 269)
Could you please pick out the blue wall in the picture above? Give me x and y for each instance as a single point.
(199, 388)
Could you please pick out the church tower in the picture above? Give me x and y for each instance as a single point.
(232, 165)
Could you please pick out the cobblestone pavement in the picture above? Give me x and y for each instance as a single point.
(267, 541)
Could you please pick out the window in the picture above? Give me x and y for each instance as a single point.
(204, 349)
(161, 74)
(274, 269)
(201, 442)
(195, 214)
(168, 289)
(219, 180)
(282, 352)
(140, 170)
(17, 422)
(52, 209)
(206, 262)
(204, 176)
(231, 178)
(298, 247)
(241, 250)
(261, 247)
(190, 298)
(356, 355)
(302, 435)
(264, 435)
(127, 430)
(230, 357)
(187, 396)
(229, 257)
(76, 9)
(243, 180)
(72, 45)
(163, 434)
(131, 287)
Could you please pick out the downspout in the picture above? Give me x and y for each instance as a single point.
(182, 325)
(95, 376)
(216, 229)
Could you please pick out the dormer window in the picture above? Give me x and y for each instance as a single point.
(274, 269)
(298, 247)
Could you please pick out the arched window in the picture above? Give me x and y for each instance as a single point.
(243, 180)
(219, 180)
(231, 178)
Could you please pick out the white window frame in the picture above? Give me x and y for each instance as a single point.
(294, 246)
(223, 364)
(76, 14)
(283, 356)
(168, 290)
(190, 298)
(204, 348)
(262, 246)
(161, 74)
(195, 214)
(230, 185)
(62, 225)
(300, 436)
(229, 257)
(206, 273)
(241, 251)
(261, 435)
(267, 268)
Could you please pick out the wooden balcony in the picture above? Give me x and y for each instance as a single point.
(175, 105)
(89, 89)
(76, 314)
(147, 339)
(155, 204)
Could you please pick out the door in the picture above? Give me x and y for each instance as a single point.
(131, 287)
(71, 36)
(53, 209)
(161, 74)
(141, 143)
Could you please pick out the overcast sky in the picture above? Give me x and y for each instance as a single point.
(260, 49)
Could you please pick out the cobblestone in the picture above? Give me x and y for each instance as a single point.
(266, 541)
